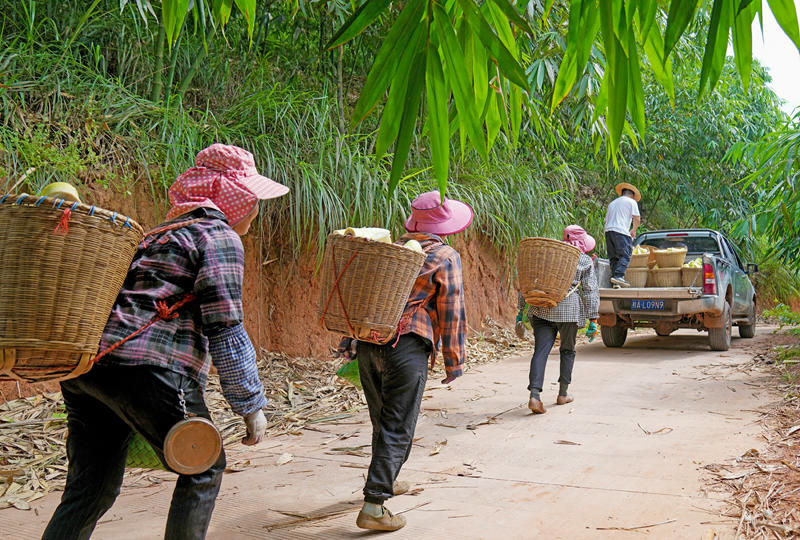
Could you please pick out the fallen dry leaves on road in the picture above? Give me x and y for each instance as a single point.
(763, 487)
(302, 392)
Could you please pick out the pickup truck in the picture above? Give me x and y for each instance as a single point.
(723, 298)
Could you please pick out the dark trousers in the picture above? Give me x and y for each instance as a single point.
(544, 335)
(393, 379)
(103, 407)
(619, 247)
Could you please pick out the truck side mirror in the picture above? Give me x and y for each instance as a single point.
(751, 269)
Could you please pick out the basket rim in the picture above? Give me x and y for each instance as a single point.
(390, 245)
(33, 201)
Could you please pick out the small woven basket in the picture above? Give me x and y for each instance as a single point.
(546, 270)
(365, 287)
(637, 277)
(61, 268)
(692, 277)
(666, 277)
(670, 259)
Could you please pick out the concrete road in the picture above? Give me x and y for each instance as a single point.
(628, 453)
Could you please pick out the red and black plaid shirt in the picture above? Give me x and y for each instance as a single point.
(435, 308)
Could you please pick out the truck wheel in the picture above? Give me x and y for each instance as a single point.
(720, 338)
(749, 330)
(613, 336)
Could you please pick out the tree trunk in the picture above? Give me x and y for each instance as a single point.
(340, 89)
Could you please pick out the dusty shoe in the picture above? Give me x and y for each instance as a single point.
(620, 281)
(536, 406)
(387, 522)
(400, 487)
(563, 400)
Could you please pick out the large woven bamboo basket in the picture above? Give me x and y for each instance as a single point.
(637, 277)
(546, 270)
(692, 277)
(670, 259)
(666, 277)
(639, 260)
(62, 265)
(365, 287)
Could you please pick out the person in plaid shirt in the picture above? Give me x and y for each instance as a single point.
(393, 376)
(152, 381)
(565, 319)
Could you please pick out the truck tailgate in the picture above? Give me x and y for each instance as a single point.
(677, 293)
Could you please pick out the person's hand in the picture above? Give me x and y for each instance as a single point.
(346, 348)
(591, 330)
(256, 426)
(633, 234)
(519, 329)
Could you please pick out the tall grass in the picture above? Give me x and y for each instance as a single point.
(71, 108)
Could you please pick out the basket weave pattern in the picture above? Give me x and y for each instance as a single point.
(637, 277)
(365, 287)
(57, 288)
(670, 259)
(692, 277)
(546, 270)
(666, 277)
(639, 261)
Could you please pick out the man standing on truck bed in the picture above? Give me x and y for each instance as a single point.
(619, 233)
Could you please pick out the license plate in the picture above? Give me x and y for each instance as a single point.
(647, 305)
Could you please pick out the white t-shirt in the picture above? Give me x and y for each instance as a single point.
(619, 215)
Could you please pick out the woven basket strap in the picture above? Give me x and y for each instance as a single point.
(163, 312)
(152, 234)
(338, 291)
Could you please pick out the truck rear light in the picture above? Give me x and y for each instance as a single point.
(709, 279)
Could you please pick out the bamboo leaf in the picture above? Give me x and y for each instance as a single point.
(681, 12)
(438, 124)
(617, 73)
(408, 123)
(635, 91)
(248, 9)
(660, 65)
(396, 102)
(462, 92)
(513, 15)
(358, 21)
(173, 13)
(221, 9)
(716, 44)
(508, 64)
(743, 42)
(786, 15)
(383, 69)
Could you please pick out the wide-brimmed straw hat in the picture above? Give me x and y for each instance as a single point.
(224, 178)
(578, 237)
(432, 213)
(637, 195)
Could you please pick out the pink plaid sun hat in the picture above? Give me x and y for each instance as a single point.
(575, 235)
(224, 178)
(432, 213)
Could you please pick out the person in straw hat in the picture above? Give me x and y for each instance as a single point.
(150, 381)
(622, 211)
(565, 319)
(393, 376)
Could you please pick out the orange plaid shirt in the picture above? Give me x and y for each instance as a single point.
(435, 308)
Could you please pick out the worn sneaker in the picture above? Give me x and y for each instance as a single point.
(387, 522)
(620, 281)
(400, 487)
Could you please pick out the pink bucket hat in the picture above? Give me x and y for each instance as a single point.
(432, 213)
(224, 178)
(575, 235)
